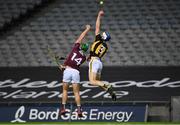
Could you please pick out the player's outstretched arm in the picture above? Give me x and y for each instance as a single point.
(98, 22)
(83, 34)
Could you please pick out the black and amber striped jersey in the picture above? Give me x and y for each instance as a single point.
(98, 47)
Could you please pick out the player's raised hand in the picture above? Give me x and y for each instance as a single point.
(88, 27)
(101, 13)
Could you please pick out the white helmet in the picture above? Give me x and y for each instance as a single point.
(106, 36)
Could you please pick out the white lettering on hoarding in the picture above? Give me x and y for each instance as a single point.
(20, 89)
(20, 94)
(18, 115)
(42, 115)
(25, 83)
(94, 114)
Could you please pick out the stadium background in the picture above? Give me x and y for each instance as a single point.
(142, 62)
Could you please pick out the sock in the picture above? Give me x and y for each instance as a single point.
(64, 105)
(79, 107)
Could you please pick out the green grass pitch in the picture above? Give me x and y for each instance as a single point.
(90, 123)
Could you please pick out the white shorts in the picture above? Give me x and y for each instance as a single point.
(71, 75)
(95, 65)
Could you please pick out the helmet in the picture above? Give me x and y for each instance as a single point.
(84, 47)
(106, 36)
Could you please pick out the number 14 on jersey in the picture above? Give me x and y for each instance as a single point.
(77, 60)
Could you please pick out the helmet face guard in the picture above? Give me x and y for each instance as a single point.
(84, 47)
(106, 36)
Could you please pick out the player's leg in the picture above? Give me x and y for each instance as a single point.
(76, 90)
(64, 98)
(65, 93)
(94, 81)
(77, 98)
(106, 84)
(66, 80)
(76, 94)
(95, 67)
(108, 88)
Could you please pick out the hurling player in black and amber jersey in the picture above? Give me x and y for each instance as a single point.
(98, 49)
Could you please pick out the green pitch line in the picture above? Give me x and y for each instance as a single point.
(92, 123)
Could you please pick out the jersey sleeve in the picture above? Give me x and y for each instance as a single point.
(76, 46)
(98, 37)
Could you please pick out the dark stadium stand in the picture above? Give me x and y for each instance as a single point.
(13, 9)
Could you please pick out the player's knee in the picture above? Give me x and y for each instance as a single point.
(65, 92)
(75, 90)
(76, 94)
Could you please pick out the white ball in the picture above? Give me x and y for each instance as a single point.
(101, 2)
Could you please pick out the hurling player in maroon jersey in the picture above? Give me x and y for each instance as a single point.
(71, 72)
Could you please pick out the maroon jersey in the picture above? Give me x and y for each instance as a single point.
(75, 58)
